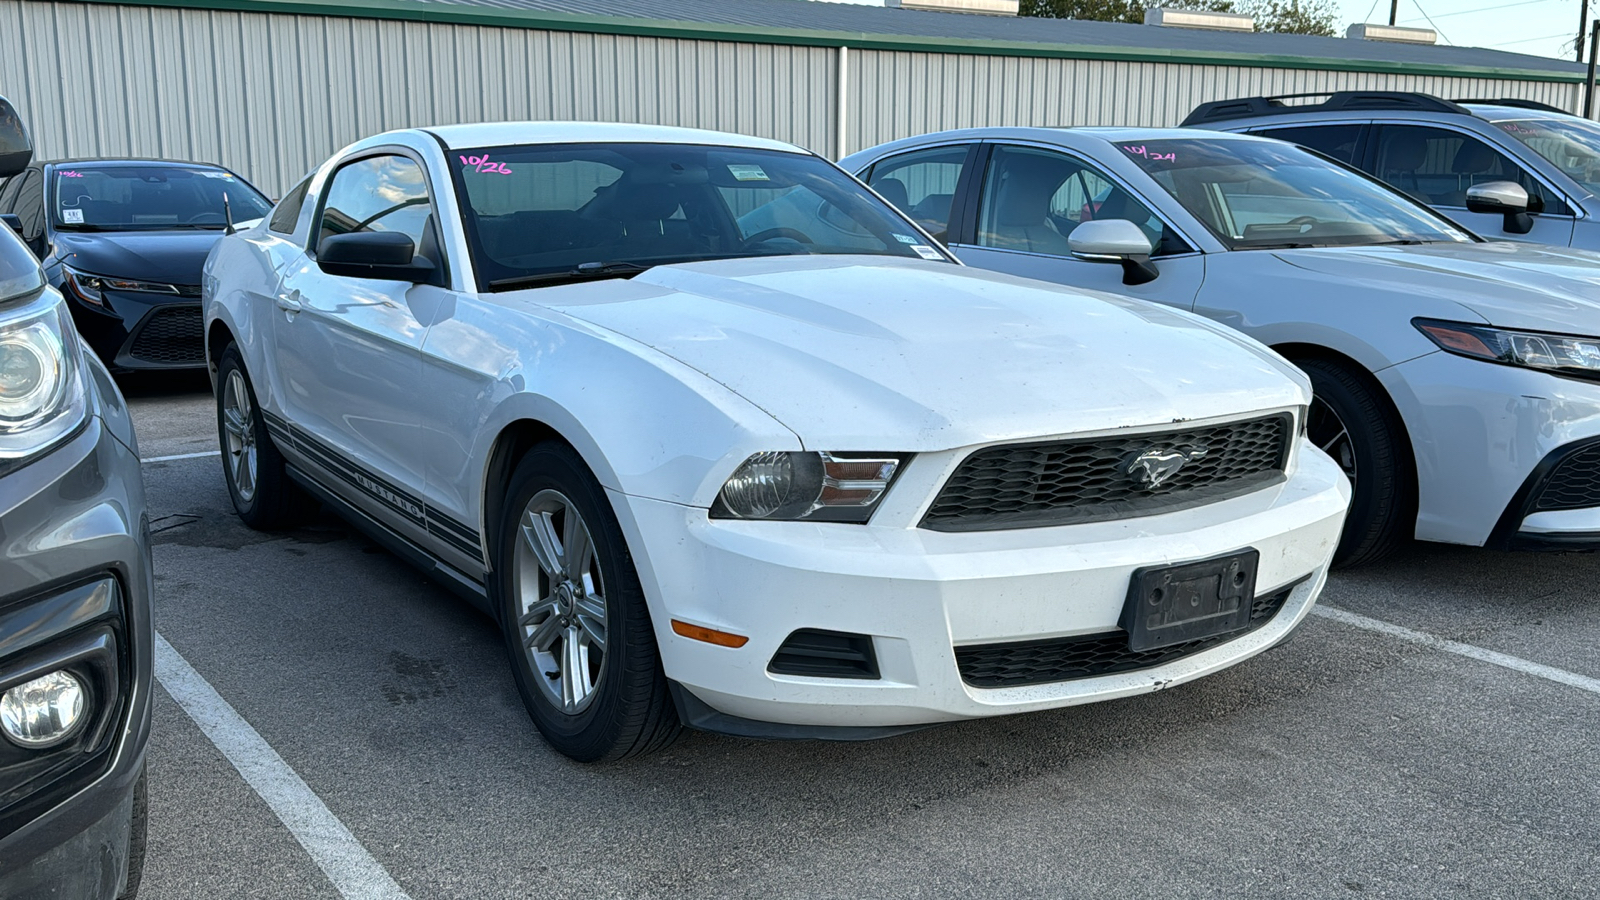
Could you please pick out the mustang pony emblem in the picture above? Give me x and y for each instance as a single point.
(1152, 467)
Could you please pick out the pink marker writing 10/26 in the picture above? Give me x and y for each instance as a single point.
(483, 164)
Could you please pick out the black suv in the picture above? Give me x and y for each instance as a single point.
(75, 635)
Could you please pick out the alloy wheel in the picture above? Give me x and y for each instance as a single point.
(1329, 432)
(561, 605)
(238, 420)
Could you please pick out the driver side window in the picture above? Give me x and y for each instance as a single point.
(922, 184)
(381, 193)
(1033, 199)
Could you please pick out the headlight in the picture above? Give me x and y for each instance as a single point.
(1561, 354)
(816, 487)
(41, 389)
(92, 288)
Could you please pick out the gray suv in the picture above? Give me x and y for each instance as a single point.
(1507, 169)
(75, 634)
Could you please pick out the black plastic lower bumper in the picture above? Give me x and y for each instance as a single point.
(1507, 533)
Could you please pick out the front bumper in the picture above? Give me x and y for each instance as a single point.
(919, 594)
(1485, 437)
(137, 331)
(75, 588)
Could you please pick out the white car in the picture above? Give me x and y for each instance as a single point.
(1455, 379)
(802, 478)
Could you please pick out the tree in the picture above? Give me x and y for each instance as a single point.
(1293, 16)
(1284, 16)
(1131, 11)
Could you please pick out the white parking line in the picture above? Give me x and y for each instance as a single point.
(1517, 664)
(353, 871)
(174, 456)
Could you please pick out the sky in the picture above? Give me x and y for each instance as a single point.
(1537, 27)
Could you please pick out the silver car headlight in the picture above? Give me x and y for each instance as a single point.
(815, 487)
(1560, 354)
(41, 385)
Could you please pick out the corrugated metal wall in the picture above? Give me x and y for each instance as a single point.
(272, 95)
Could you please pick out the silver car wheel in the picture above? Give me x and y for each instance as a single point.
(1329, 432)
(238, 420)
(561, 602)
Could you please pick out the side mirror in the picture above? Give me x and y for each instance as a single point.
(16, 149)
(1118, 241)
(12, 221)
(1505, 197)
(383, 255)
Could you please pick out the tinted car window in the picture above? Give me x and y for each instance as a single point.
(287, 214)
(1033, 199)
(135, 197)
(30, 205)
(536, 211)
(380, 193)
(1437, 165)
(922, 184)
(1569, 143)
(8, 192)
(1337, 141)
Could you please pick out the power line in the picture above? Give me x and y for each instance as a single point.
(1468, 12)
(1437, 30)
(1530, 40)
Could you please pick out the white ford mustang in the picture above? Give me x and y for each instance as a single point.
(721, 439)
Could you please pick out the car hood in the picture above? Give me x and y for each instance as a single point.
(874, 353)
(1512, 285)
(168, 257)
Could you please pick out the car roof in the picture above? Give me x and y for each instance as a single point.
(489, 134)
(1080, 136)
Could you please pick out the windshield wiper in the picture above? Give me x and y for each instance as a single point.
(589, 271)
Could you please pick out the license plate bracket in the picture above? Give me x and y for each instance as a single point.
(1169, 605)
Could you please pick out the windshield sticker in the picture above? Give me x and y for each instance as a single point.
(222, 175)
(72, 216)
(926, 252)
(905, 239)
(748, 173)
(70, 173)
(1152, 156)
(484, 165)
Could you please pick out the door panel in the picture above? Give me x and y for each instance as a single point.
(348, 350)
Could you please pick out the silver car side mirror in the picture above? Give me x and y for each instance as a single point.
(1505, 197)
(1118, 241)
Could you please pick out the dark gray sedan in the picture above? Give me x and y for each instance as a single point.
(75, 583)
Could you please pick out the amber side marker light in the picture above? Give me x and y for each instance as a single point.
(709, 635)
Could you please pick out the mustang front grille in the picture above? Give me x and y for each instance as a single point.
(1118, 476)
(1089, 655)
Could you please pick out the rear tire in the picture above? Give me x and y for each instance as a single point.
(566, 591)
(256, 473)
(1356, 427)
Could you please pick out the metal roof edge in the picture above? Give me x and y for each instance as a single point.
(415, 11)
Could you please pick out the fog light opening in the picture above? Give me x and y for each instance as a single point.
(44, 712)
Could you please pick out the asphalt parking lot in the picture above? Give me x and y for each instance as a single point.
(1351, 761)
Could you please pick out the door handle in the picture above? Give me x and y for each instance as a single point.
(289, 301)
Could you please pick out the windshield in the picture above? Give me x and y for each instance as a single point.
(1257, 195)
(589, 210)
(148, 197)
(1572, 145)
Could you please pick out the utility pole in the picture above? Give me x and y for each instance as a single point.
(1394, 10)
(1588, 88)
(1583, 28)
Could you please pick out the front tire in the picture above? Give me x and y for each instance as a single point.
(256, 473)
(576, 625)
(138, 836)
(1355, 426)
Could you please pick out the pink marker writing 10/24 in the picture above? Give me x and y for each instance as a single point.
(484, 165)
(1152, 155)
